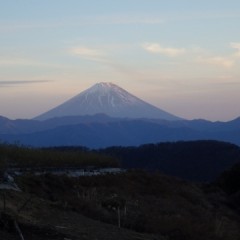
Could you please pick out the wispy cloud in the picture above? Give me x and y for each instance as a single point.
(88, 53)
(16, 61)
(236, 46)
(21, 82)
(224, 62)
(156, 48)
(227, 61)
(27, 62)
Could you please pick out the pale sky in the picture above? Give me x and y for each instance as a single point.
(182, 56)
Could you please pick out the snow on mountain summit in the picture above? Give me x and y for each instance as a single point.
(110, 99)
(109, 94)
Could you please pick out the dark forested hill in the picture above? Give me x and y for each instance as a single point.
(194, 160)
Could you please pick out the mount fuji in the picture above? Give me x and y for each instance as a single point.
(109, 99)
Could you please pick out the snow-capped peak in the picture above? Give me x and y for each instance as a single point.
(110, 99)
(101, 87)
(106, 94)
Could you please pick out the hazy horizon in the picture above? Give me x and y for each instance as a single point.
(180, 56)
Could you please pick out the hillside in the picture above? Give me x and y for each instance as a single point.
(200, 161)
(17, 156)
(49, 220)
(149, 207)
(132, 204)
(191, 160)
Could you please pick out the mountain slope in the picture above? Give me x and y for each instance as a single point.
(109, 99)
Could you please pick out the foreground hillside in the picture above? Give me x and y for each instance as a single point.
(132, 205)
(42, 219)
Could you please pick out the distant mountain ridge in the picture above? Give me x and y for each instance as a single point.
(110, 99)
(100, 131)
